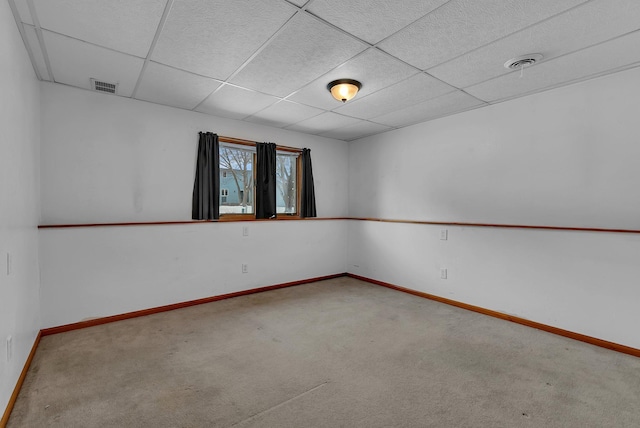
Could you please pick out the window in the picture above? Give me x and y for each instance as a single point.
(237, 186)
(236, 173)
(287, 183)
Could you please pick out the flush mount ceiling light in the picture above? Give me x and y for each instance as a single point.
(344, 89)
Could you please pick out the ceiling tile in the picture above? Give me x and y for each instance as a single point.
(283, 114)
(126, 26)
(570, 31)
(236, 103)
(446, 104)
(74, 62)
(323, 122)
(463, 25)
(374, 69)
(215, 37)
(34, 45)
(404, 94)
(372, 20)
(23, 11)
(302, 52)
(291, 49)
(601, 58)
(169, 86)
(359, 130)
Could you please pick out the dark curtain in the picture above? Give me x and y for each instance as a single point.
(308, 203)
(265, 180)
(206, 188)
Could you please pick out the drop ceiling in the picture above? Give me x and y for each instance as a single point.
(269, 61)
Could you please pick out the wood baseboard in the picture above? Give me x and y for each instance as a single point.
(143, 312)
(84, 324)
(16, 390)
(89, 323)
(550, 329)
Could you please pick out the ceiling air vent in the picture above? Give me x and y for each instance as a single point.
(100, 86)
(520, 62)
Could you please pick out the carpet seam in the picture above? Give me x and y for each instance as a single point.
(85, 324)
(255, 416)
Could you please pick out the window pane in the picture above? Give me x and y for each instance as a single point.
(236, 181)
(286, 177)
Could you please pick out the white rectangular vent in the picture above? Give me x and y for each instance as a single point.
(100, 86)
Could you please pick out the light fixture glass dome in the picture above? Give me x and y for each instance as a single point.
(344, 89)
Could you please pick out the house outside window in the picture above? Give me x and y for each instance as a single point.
(237, 162)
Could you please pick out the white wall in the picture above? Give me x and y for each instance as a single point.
(111, 159)
(101, 271)
(566, 157)
(19, 138)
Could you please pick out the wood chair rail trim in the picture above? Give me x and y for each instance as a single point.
(498, 225)
(380, 220)
(231, 219)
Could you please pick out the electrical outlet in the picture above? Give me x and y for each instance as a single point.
(444, 234)
(245, 230)
(443, 273)
(245, 268)
(9, 348)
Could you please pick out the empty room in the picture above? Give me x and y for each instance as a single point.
(319, 213)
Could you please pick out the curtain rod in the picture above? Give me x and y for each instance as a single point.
(239, 141)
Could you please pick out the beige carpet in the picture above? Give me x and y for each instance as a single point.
(337, 353)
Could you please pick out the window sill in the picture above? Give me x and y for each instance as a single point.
(250, 217)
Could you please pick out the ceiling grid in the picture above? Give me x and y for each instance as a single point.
(269, 61)
(165, 13)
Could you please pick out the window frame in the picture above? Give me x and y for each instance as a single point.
(229, 141)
